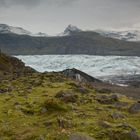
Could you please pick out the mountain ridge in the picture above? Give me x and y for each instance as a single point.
(76, 41)
(126, 35)
(84, 42)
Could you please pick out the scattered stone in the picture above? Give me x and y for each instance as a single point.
(121, 104)
(105, 124)
(41, 138)
(83, 90)
(135, 108)
(44, 110)
(117, 115)
(48, 123)
(16, 103)
(125, 125)
(103, 90)
(80, 137)
(5, 90)
(108, 99)
(67, 96)
(64, 123)
(126, 132)
(131, 135)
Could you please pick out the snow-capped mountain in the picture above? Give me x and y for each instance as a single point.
(130, 35)
(69, 30)
(4, 28)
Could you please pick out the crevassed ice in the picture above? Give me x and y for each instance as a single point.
(93, 65)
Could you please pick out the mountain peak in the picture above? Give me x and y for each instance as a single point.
(71, 28)
(4, 28)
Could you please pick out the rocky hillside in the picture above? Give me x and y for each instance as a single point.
(78, 42)
(63, 106)
(12, 66)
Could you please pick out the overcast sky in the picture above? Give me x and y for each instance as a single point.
(52, 16)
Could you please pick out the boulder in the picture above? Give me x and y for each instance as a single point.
(126, 132)
(135, 108)
(104, 99)
(67, 96)
(131, 135)
(105, 124)
(117, 115)
(83, 90)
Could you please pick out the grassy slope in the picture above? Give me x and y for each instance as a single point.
(31, 111)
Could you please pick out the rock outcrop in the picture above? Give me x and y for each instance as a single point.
(79, 75)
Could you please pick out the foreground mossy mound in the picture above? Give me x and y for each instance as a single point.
(49, 106)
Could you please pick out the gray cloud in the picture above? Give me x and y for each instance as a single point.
(32, 3)
(52, 16)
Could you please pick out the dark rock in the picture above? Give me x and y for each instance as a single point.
(5, 90)
(105, 124)
(135, 108)
(126, 126)
(117, 115)
(126, 132)
(108, 99)
(80, 137)
(131, 135)
(16, 103)
(67, 96)
(121, 104)
(41, 138)
(44, 110)
(79, 75)
(64, 123)
(103, 90)
(48, 123)
(83, 90)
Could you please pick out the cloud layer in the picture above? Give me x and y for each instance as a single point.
(32, 3)
(53, 15)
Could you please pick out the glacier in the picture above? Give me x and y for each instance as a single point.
(96, 66)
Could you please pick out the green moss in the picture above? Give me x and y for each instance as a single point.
(30, 110)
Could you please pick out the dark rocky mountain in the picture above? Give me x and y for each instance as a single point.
(79, 76)
(78, 42)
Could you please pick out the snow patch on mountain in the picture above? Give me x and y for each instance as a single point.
(129, 35)
(69, 30)
(4, 28)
